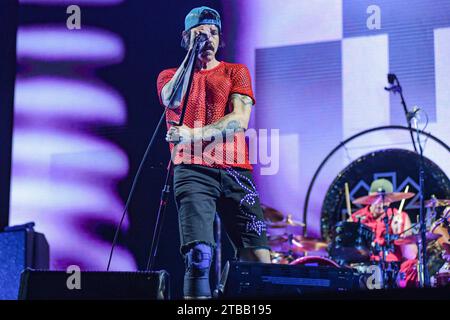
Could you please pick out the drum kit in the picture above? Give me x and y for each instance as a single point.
(352, 244)
(285, 240)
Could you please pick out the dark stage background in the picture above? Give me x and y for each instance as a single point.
(150, 33)
(8, 28)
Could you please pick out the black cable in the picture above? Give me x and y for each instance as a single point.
(138, 172)
(405, 109)
(424, 276)
(418, 131)
(136, 176)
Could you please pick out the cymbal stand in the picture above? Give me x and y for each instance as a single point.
(388, 243)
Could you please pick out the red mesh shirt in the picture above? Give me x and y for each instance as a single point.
(208, 102)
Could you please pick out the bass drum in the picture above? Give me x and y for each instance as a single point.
(352, 242)
(315, 261)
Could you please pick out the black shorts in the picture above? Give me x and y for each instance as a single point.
(202, 191)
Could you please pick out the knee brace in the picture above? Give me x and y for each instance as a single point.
(196, 277)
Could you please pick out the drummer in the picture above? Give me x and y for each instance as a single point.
(373, 215)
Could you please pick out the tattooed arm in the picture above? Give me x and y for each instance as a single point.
(233, 122)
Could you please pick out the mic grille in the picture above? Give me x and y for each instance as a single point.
(391, 78)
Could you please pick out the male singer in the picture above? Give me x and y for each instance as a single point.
(212, 172)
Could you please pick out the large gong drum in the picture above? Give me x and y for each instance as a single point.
(399, 166)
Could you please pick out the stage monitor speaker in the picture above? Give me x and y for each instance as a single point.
(94, 285)
(249, 280)
(20, 248)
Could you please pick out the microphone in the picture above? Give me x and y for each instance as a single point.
(393, 87)
(200, 41)
(201, 37)
(391, 78)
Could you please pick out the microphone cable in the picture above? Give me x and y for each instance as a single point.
(133, 186)
(141, 165)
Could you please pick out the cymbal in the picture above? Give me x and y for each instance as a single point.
(309, 244)
(437, 203)
(415, 238)
(297, 244)
(276, 240)
(271, 214)
(285, 223)
(388, 197)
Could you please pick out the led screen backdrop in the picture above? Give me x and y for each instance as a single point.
(319, 74)
(65, 174)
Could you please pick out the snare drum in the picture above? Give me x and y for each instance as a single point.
(352, 242)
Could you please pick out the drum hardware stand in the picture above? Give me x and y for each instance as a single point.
(424, 278)
(218, 249)
(388, 245)
(290, 251)
(189, 66)
(410, 116)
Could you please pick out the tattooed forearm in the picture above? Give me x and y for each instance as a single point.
(228, 125)
(231, 123)
(245, 100)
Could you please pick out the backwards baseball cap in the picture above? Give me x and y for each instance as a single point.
(202, 15)
(381, 184)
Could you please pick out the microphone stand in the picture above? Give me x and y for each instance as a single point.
(397, 88)
(424, 278)
(218, 250)
(166, 189)
(387, 243)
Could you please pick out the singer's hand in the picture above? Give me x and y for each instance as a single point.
(195, 32)
(179, 134)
